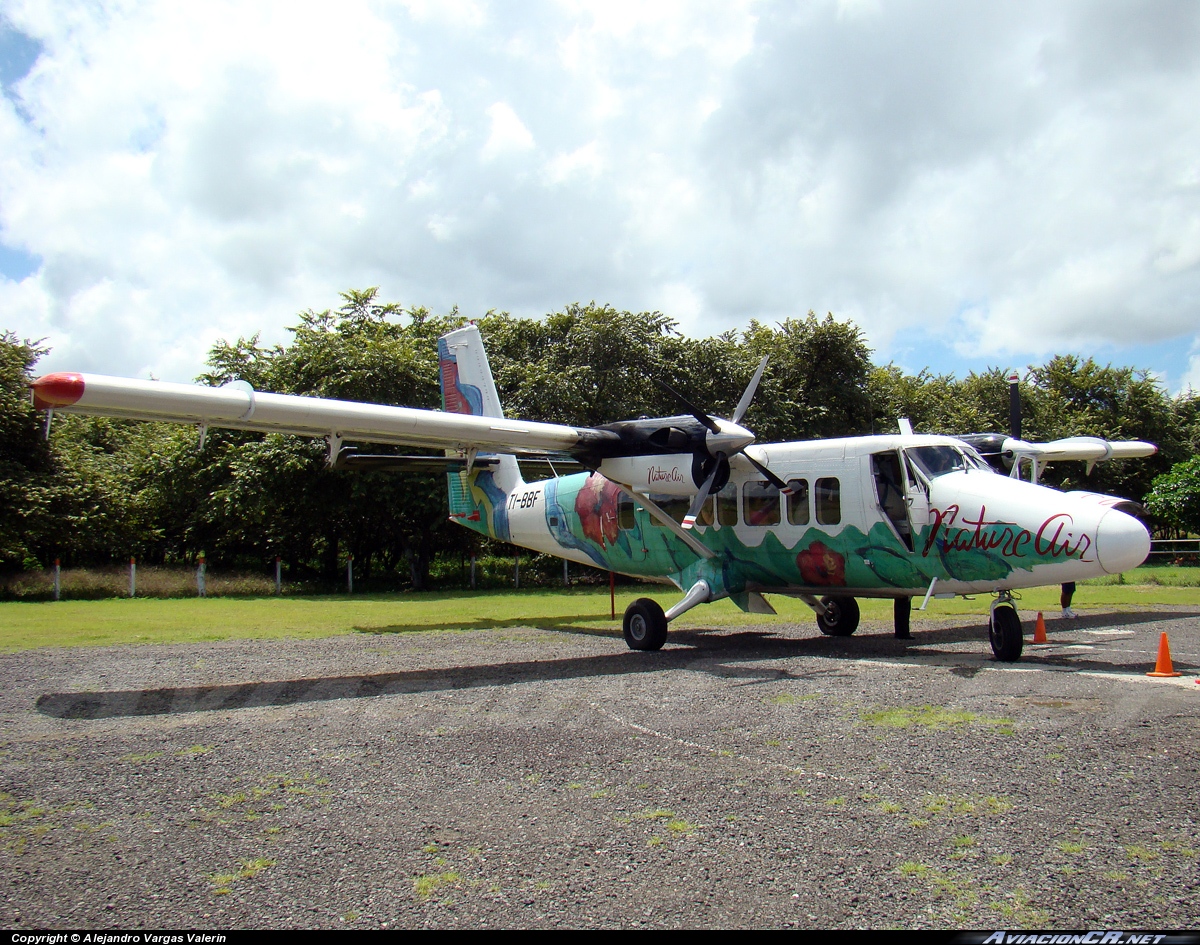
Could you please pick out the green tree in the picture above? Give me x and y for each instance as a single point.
(249, 497)
(1174, 499)
(816, 383)
(1079, 397)
(586, 365)
(25, 460)
(66, 497)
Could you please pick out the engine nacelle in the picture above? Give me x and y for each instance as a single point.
(668, 474)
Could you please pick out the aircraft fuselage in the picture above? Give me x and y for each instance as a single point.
(865, 520)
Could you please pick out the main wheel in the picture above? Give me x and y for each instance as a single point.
(1004, 630)
(645, 625)
(840, 618)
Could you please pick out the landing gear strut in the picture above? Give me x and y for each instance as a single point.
(645, 625)
(1004, 630)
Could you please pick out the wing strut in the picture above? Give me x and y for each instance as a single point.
(666, 521)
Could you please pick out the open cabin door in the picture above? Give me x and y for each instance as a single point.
(917, 498)
(891, 490)
(902, 495)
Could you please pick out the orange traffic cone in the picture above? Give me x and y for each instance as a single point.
(1039, 629)
(1163, 667)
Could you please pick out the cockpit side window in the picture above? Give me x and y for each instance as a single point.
(936, 461)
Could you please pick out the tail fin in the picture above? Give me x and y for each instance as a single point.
(468, 387)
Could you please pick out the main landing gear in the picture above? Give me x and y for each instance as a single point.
(645, 625)
(1004, 629)
(838, 616)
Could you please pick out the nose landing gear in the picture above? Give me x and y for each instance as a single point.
(1004, 629)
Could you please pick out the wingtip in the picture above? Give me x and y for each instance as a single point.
(57, 390)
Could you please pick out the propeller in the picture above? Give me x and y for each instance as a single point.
(714, 465)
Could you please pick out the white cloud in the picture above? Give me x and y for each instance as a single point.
(584, 161)
(508, 134)
(680, 300)
(1011, 179)
(1191, 379)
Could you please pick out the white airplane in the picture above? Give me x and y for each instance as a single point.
(693, 500)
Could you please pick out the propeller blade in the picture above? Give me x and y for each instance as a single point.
(689, 520)
(774, 480)
(691, 408)
(748, 396)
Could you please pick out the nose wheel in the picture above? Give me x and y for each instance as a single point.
(645, 625)
(1004, 631)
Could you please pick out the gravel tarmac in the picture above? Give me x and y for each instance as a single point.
(764, 777)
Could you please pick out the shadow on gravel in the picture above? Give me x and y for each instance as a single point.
(565, 624)
(98, 705)
(713, 652)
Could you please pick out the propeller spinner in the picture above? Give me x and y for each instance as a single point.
(724, 440)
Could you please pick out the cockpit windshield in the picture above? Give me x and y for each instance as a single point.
(936, 461)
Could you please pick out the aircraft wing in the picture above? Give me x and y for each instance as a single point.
(1091, 449)
(1006, 452)
(237, 406)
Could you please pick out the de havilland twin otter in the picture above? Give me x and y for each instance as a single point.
(693, 500)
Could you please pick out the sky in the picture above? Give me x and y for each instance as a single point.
(973, 185)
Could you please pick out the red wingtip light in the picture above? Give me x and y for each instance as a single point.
(57, 390)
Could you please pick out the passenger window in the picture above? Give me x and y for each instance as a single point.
(797, 502)
(829, 501)
(727, 505)
(626, 513)
(675, 506)
(760, 503)
(705, 515)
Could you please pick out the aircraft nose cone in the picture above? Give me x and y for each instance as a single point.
(1122, 542)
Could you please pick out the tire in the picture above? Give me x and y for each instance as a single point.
(1004, 631)
(840, 618)
(645, 625)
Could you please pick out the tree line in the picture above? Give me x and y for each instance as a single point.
(99, 490)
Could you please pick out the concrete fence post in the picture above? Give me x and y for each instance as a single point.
(278, 576)
(132, 576)
(200, 577)
(566, 573)
(472, 572)
(57, 580)
(349, 574)
(517, 570)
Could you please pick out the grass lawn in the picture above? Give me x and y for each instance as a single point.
(585, 609)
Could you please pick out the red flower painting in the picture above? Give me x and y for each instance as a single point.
(596, 506)
(821, 566)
